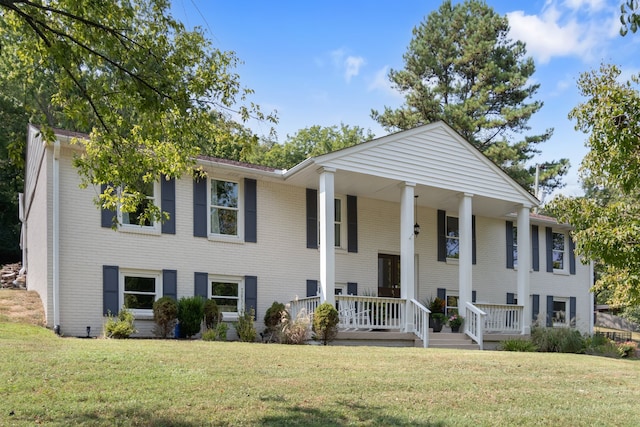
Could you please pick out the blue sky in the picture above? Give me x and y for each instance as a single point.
(326, 62)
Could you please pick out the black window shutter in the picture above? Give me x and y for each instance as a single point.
(312, 218)
(168, 204)
(312, 288)
(572, 256)
(511, 298)
(352, 288)
(251, 295)
(442, 236)
(107, 216)
(442, 294)
(201, 285)
(170, 284)
(535, 248)
(473, 239)
(250, 211)
(535, 307)
(352, 224)
(572, 311)
(549, 238)
(110, 278)
(549, 310)
(200, 208)
(509, 234)
(473, 296)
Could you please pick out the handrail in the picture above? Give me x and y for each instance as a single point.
(503, 318)
(309, 304)
(474, 324)
(367, 312)
(421, 322)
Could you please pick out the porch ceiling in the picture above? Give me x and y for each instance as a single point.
(388, 189)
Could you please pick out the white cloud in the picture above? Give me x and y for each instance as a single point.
(381, 83)
(348, 65)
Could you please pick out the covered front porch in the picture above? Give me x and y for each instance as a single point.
(374, 314)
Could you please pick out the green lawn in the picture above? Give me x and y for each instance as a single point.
(46, 380)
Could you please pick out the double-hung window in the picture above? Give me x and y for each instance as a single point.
(132, 215)
(515, 247)
(139, 290)
(339, 222)
(228, 293)
(224, 208)
(453, 238)
(558, 250)
(560, 316)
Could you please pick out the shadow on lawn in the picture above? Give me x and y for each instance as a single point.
(358, 414)
(120, 417)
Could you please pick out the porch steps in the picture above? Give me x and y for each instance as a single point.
(446, 339)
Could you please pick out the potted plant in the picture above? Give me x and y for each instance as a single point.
(455, 321)
(436, 306)
(438, 320)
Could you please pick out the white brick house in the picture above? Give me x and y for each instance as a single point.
(250, 235)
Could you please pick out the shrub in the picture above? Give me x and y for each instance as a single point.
(558, 340)
(273, 322)
(632, 314)
(212, 315)
(217, 334)
(295, 331)
(517, 345)
(120, 326)
(190, 315)
(165, 314)
(244, 326)
(599, 344)
(627, 349)
(325, 322)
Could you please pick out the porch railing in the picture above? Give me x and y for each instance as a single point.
(362, 312)
(308, 305)
(474, 323)
(421, 322)
(502, 318)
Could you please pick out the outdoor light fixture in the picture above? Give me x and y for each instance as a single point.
(416, 227)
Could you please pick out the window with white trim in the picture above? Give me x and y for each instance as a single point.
(339, 222)
(453, 238)
(224, 208)
(558, 251)
(228, 293)
(515, 247)
(139, 290)
(135, 219)
(560, 315)
(451, 305)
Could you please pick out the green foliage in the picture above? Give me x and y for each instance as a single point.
(627, 349)
(325, 322)
(296, 331)
(245, 327)
(435, 305)
(462, 68)
(273, 316)
(455, 320)
(629, 16)
(557, 340)
(120, 326)
(190, 315)
(147, 90)
(632, 314)
(607, 222)
(516, 344)
(311, 142)
(165, 314)
(212, 315)
(217, 334)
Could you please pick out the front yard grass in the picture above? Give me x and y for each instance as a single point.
(56, 381)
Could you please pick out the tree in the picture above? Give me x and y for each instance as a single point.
(460, 67)
(128, 72)
(629, 16)
(310, 142)
(607, 220)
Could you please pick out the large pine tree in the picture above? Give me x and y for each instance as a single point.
(462, 68)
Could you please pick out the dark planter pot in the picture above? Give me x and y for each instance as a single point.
(455, 329)
(436, 325)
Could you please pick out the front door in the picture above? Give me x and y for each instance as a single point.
(389, 275)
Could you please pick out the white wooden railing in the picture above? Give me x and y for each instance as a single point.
(421, 322)
(308, 305)
(474, 323)
(502, 318)
(363, 312)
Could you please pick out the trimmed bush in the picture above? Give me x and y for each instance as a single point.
(244, 326)
(325, 322)
(190, 315)
(517, 345)
(165, 314)
(273, 322)
(120, 326)
(212, 315)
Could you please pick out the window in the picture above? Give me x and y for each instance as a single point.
(558, 250)
(228, 294)
(139, 290)
(452, 305)
(453, 238)
(515, 247)
(135, 220)
(559, 316)
(339, 228)
(224, 208)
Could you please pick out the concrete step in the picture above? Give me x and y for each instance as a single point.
(451, 340)
(376, 338)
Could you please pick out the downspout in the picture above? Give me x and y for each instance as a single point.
(56, 237)
(591, 297)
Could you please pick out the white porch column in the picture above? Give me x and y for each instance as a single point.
(327, 237)
(407, 251)
(524, 266)
(465, 261)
